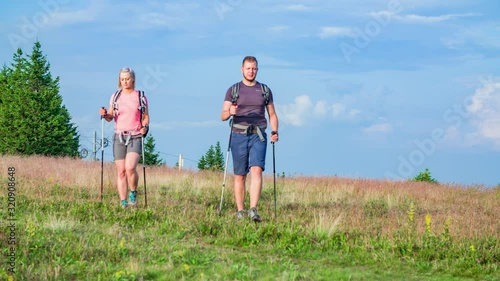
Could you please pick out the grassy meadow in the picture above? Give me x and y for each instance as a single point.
(327, 228)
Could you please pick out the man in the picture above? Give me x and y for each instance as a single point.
(249, 139)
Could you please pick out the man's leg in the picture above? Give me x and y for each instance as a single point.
(239, 191)
(255, 185)
(239, 152)
(257, 159)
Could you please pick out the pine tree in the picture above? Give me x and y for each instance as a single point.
(202, 163)
(209, 158)
(219, 157)
(152, 158)
(213, 159)
(33, 119)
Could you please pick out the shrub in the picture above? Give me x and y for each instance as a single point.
(425, 176)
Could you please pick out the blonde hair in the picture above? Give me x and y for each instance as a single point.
(132, 76)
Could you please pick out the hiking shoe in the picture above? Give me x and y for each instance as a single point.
(253, 214)
(241, 214)
(124, 204)
(133, 198)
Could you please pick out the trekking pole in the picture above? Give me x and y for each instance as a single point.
(144, 174)
(225, 166)
(102, 153)
(274, 179)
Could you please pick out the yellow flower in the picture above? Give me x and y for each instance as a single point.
(472, 249)
(428, 222)
(411, 213)
(186, 267)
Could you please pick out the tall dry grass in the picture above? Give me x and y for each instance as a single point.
(327, 204)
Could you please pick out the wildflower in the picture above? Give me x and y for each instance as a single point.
(472, 248)
(428, 223)
(411, 213)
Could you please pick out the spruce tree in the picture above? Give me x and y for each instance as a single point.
(218, 162)
(33, 119)
(152, 158)
(213, 159)
(202, 163)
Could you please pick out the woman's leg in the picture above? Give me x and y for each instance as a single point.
(121, 179)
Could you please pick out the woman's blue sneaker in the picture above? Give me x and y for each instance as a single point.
(133, 198)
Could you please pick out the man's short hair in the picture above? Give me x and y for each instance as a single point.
(249, 59)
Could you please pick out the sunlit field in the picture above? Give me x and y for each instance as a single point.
(326, 228)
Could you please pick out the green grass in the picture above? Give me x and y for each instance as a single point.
(63, 232)
(93, 241)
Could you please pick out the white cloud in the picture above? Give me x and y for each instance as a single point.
(432, 4)
(414, 18)
(321, 108)
(333, 31)
(304, 110)
(451, 134)
(484, 111)
(297, 7)
(337, 110)
(378, 128)
(296, 113)
(158, 20)
(62, 18)
(141, 16)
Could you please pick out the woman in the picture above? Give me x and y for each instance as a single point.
(129, 108)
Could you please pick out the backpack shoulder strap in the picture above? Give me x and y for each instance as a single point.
(235, 92)
(265, 92)
(142, 102)
(115, 98)
(142, 107)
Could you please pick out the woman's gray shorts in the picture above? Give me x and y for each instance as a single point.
(120, 150)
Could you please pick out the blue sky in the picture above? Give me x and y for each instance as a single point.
(363, 89)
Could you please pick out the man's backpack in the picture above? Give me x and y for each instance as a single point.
(141, 108)
(236, 88)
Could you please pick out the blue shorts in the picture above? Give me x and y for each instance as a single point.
(248, 151)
